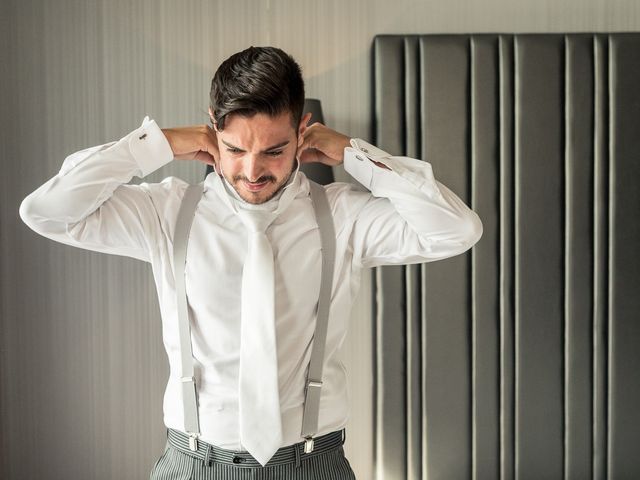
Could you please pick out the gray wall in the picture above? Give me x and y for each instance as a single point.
(82, 367)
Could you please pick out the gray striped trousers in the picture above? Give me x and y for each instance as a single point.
(174, 464)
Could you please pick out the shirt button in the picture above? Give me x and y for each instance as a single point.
(238, 459)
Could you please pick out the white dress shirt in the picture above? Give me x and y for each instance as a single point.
(403, 216)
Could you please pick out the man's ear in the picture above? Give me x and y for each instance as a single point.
(213, 121)
(211, 117)
(303, 126)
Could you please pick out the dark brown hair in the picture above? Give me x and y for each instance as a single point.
(257, 80)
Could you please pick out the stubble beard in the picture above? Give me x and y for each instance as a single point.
(257, 199)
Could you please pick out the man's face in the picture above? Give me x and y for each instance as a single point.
(258, 153)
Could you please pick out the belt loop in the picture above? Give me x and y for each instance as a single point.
(208, 456)
(297, 450)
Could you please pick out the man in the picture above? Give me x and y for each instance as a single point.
(257, 140)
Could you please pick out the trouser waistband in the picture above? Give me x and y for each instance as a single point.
(209, 453)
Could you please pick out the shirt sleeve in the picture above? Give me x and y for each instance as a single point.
(88, 203)
(407, 216)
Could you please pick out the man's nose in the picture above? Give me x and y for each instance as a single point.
(252, 167)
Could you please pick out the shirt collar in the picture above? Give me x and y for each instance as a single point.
(234, 201)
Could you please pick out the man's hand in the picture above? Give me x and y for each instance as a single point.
(323, 145)
(197, 142)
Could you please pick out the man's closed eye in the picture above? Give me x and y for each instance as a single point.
(273, 154)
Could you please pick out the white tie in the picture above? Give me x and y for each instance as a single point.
(259, 395)
(260, 421)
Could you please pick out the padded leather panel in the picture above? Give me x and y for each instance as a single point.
(517, 359)
(624, 259)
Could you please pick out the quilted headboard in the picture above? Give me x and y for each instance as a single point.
(518, 359)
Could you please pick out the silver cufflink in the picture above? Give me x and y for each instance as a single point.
(360, 158)
(364, 150)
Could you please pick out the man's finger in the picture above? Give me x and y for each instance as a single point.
(205, 157)
(308, 156)
(308, 139)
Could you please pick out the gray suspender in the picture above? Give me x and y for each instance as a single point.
(314, 375)
(180, 240)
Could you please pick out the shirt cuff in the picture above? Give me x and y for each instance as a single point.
(149, 147)
(371, 151)
(379, 180)
(358, 161)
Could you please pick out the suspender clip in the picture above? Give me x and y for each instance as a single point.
(193, 441)
(308, 445)
(313, 383)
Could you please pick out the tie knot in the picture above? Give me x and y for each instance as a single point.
(256, 220)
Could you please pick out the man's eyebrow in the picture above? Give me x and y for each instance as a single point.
(281, 144)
